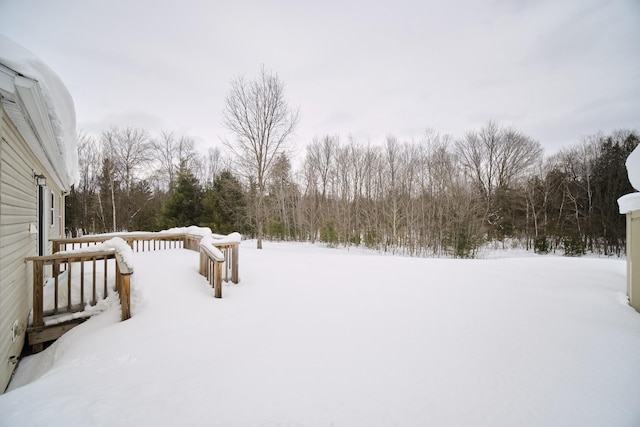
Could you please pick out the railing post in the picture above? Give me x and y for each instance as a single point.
(235, 253)
(118, 276)
(125, 295)
(123, 279)
(38, 303)
(217, 281)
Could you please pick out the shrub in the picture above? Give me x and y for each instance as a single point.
(574, 246)
(541, 245)
(329, 234)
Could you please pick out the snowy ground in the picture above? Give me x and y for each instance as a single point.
(323, 337)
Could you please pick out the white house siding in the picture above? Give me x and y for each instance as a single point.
(18, 237)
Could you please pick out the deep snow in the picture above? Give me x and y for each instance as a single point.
(322, 337)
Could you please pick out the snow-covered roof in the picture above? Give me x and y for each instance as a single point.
(631, 202)
(35, 98)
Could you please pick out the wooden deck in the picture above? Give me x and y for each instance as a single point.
(79, 277)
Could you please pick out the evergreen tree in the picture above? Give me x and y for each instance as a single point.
(147, 207)
(224, 204)
(610, 181)
(184, 206)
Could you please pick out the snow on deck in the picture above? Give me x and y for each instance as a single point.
(320, 337)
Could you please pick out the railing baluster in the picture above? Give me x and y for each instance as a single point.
(82, 283)
(56, 273)
(117, 277)
(94, 301)
(68, 286)
(104, 295)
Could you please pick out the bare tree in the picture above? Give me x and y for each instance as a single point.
(494, 158)
(129, 152)
(89, 160)
(258, 115)
(172, 153)
(213, 164)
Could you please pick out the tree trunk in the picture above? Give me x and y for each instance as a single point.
(113, 206)
(259, 245)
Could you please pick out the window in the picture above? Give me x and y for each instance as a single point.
(51, 209)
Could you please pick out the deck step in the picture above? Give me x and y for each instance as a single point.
(42, 334)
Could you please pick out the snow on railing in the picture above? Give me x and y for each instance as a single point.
(219, 254)
(139, 241)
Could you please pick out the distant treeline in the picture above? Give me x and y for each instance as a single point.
(436, 196)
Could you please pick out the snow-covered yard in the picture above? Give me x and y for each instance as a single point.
(322, 337)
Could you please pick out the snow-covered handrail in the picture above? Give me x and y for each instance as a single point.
(218, 254)
(139, 242)
(216, 248)
(211, 263)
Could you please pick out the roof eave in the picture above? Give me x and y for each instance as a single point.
(25, 105)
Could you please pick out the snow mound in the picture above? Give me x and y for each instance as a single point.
(318, 337)
(208, 242)
(629, 203)
(193, 229)
(234, 237)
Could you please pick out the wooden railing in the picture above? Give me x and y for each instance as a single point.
(51, 318)
(150, 241)
(218, 263)
(60, 314)
(139, 242)
(211, 263)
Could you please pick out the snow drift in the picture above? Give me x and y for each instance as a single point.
(320, 337)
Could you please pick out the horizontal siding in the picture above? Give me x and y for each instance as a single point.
(13, 210)
(15, 243)
(13, 230)
(18, 210)
(17, 220)
(11, 200)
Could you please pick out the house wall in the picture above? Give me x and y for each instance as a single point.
(18, 238)
(633, 258)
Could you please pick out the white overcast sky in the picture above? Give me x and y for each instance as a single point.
(555, 70)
